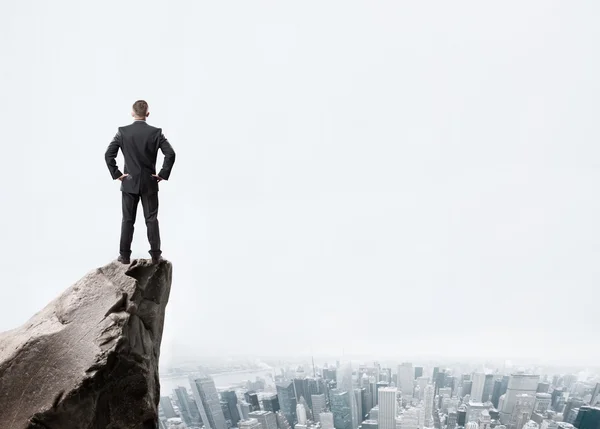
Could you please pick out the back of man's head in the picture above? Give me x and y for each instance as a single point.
(140, 109)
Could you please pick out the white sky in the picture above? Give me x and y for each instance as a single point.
(377, 176)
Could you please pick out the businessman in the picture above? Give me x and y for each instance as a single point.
(139, 143)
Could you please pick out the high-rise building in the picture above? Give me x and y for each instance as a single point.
(543, 387)
(518, 384)
(301, 414)
(477, 388)
(245, 409)
(230, 398)
(406, 380)
(341, 409)
(326, 420)
(271, 403)
(388, 408)
(488, 388)
(500, 387)
(167, 407)
(358, 396)
(344, 384)
(209, 404)
(452, 417)
(542, 403)
(287, 400)
(428, 399)
(595, 395)
(588, 418)
(187, 408)
(378, 386)
(266, 419)
(522, 411)
(411, 419)
(252, 398)
(319, 406)
(418, 372)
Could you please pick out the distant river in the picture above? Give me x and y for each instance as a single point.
(222, 381)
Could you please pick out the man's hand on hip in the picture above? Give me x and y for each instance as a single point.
(157, 177)
(123, 177)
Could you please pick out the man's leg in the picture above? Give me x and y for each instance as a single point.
(129, 204)
(150, 205)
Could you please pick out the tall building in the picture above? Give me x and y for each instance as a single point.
(418, 372)
(500, 387)
(341, 409)
(358, 396)
(542, 403)
(595, 395)
(522, 411)
(252, 398)
(230, 398)
(428, 399)
(518, 384)
(588, 418)
(209, 404)
(187, 408)
(344, 384)
(452, 418)
(266, 419)
(319, 406)
(326, 420)
(378, 386)
(477, 388)
(488, 388)
(287, 400)
(388, 408)
(301, 414)
(271, 403)
(167, 407)
(406, 379)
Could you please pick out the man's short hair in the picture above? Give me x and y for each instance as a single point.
(140, 108)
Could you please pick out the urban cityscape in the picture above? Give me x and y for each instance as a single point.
(374, 395)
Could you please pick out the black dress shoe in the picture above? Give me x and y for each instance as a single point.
(157, 259)
(124, 260)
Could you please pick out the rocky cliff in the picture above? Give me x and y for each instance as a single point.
(90, 358)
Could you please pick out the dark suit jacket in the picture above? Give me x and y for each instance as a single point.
(140, 143)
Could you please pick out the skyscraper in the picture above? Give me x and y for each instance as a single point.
(488, 388)
(230, 398)
(428, 405)
(189, 413)
(588, 418)
(388, 408)
(344, 384)
(271, 403)
(477, 388)
(266, 419)
(341, 409)
(500, 387)
(209, 404)
(287, 400)
(319, 405)
(518, 384)
(167, 407)
(301, 414)
(326, 420)
(406, 379)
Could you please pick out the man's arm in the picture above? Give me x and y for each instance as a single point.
(169, 154)
(111, 155)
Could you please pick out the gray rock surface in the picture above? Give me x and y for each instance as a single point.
(89, 360)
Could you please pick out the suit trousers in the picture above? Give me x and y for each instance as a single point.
(150, 207)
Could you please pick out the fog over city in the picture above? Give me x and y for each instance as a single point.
(354, 180)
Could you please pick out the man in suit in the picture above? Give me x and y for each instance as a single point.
(139, 143)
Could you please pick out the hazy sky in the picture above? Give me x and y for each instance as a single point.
(377, 176)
